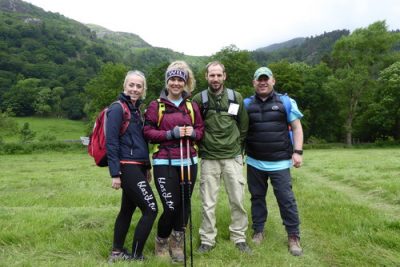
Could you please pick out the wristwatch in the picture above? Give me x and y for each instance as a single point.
(297, 151)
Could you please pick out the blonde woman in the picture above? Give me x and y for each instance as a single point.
(129, 165)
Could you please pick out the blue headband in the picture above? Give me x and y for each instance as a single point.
(176, 73)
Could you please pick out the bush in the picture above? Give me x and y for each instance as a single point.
(26, 134)
(28, 148)
(8, 125)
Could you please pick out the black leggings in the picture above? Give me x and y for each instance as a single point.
(136, 192)
(168, 183)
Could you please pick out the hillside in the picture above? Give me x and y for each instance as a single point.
(288, 44)
(47, 59)
(41, 51)
(136, 52)
(310, 50)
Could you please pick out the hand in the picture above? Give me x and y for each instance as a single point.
(116, 183)
(297, 160)
(189, 131)
(176, 133)
(148, 175)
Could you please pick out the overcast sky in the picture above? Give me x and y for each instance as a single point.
(203, 27)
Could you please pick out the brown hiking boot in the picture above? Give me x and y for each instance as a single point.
(258, 237)
(176, 246)
(294, 245)
(161, 247)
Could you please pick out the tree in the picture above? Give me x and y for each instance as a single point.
(21, 98)
(103, 89)
(357, 59)
(382, 119)
(239, 68)
(43, 102)
(156, 81)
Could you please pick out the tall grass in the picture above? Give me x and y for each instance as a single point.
(58, 209)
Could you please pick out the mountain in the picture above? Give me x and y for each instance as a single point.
(288, 44)
(47, 51)
(310, 50)
(50, 58)
(125, 40)
(136, 52)
(46, 59)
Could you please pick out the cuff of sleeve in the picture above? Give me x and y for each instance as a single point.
(169, 135)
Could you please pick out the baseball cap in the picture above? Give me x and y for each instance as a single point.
(262, 71)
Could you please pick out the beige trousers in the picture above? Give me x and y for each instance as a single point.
(230, 171)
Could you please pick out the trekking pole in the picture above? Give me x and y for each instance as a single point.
(189, 178)
(183, 200)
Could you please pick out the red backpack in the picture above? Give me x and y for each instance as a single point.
(97, 139)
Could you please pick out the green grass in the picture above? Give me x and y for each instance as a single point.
(62, 129)
(58, 209)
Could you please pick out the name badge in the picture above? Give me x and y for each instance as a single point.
(233, 109)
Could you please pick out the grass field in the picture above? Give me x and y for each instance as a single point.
(58, 209)
(63, 129)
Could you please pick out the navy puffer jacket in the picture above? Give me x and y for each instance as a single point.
(131, 145)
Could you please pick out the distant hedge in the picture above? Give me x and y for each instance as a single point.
(27, 148)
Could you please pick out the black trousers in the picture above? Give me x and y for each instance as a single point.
(282, 184)
(169, 187)
(136, 192)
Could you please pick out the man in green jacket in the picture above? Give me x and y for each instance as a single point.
(221, 151)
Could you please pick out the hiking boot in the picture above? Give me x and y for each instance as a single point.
(119, 255)
(294, 245)
(176, 246)
(161, 247)
(204, 248)
(138, 258)
(258, 237)
(243, 247)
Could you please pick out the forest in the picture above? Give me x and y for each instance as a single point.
(347, 84)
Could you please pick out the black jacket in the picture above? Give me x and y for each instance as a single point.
(268, 135)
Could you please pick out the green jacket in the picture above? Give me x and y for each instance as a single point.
(224, 136)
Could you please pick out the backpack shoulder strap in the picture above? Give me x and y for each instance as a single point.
(161, 111)
(247, 101)
(126, 116)
(204, 102)
(231, 95)
(189, 106)
(286, 103)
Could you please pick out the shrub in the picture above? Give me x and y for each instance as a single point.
(26, 134)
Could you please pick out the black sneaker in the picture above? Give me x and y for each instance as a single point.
(119, 255)
(204, 248)
(243, 247)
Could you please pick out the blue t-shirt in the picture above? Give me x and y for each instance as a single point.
(176, 102)
(281, 164)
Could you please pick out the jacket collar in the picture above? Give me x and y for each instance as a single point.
(127, 99)
(164, 95)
